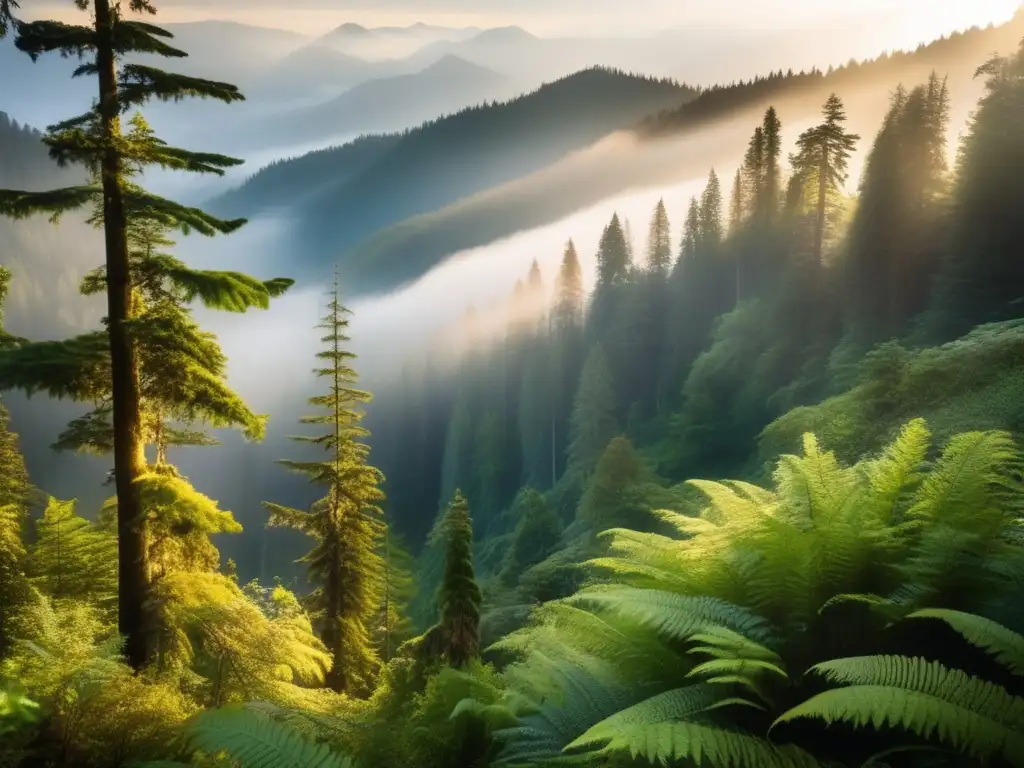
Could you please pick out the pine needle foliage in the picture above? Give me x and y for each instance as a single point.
(347, 524)
(460, 596)
(113, 158)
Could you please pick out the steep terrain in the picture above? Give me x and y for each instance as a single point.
(453, 157)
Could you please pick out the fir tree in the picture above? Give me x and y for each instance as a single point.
(566, 354)
(613, 261)
(392, 626)
(754, 173)
(982, 277)
(895, 234)
(736, 204)
(711, 215)
(772, 186)
(460, 597)
(659, 242)
(691, 238)
(823, 153)
(95, 140)
(344, 565)
(568, 304)
(537, 534)
(593, 422)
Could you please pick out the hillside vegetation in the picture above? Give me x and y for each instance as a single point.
(756, 501)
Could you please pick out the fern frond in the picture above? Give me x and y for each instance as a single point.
(971, 715)
(1005, 645)
(256, 741)
(681, 704)
(704, 744)
(674, 615)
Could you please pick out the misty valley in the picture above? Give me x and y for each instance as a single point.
(448, 394)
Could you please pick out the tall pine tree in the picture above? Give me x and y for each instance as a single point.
(347, 524)
(95, 139)
(819, 166)
(659, 242)
(460, 597)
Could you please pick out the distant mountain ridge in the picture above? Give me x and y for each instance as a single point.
(430, 194)
(447, 159)
(383, 105)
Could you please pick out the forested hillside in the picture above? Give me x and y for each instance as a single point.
(755, 501)
(450, 158)
(495, 201)
(49, 261)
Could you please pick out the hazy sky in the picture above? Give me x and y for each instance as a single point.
(904, 21)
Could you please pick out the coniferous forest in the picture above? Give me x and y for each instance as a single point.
(757, 499)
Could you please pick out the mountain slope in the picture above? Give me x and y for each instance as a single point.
(222, 50)
(669, 148)
(47, 262)
(390, 42)
(320, 71)
(457, 156)
(387, 104)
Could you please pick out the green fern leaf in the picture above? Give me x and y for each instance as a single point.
(256, 741)
(671, 614)
(703, 744)
(971, 715)
(1005, 645)
(718, 667)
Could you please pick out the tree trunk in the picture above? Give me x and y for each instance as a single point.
(336, 678)
(819, 230)
(129, 453)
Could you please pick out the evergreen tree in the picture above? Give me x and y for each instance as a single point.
(568, 303)
(594, 422)
(659, 242)
(823, 153)
(537, 534)
(460, 597)
(754, 173)
(772, 187)
(982, 276)
(72, 559)
(613, 262)
(489, 462)
(566, 355)
(691, 238)
(896, 232)
(711, 215)
(736, 204)
(13, 583)
(95, 140)
(179, 523)
(344, 565)
(14, 489)
(392, 626)
(611, 500)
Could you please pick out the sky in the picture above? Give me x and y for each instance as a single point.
(902, 21)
